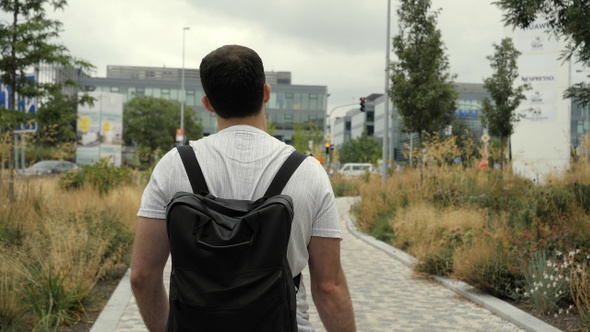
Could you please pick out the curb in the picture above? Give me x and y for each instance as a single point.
(113, 311)
(498, 307)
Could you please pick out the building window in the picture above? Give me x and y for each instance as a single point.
(313, 102)
(288, 117)
(165, 91)
(114, 89)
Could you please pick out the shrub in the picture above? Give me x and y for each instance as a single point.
(580, 289)
(545, 284)
(11, 235)
(11, 309)
(50, 300)
(104, 176)
(437, 261)
(72, 179)
(107, 226)
(344, 186)
(381, 229)
(581, 192)
(485, 264)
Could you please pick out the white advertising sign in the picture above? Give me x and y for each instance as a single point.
(541, 139)
(100, 129)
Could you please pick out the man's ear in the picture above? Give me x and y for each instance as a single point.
(207, 104)
(266, 97)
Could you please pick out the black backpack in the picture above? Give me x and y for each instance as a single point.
(229, 257)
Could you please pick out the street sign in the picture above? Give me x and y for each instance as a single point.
(179, 135)
(485, 138)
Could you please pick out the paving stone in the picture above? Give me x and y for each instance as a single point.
(386, 294)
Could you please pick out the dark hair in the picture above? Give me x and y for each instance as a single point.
(233, 79)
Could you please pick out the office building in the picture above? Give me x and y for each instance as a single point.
(351, 125)
(289, 103)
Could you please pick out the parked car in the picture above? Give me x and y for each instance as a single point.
(356, 169)
(45, 167)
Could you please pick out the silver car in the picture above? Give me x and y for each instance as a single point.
(45, 167)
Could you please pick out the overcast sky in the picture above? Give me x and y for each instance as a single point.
(337, 43)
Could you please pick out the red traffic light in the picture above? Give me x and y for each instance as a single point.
(362, 104)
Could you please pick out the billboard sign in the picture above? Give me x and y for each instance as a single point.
(23, 104)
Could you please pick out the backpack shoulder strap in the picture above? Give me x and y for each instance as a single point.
(192, 168)
(284, 173)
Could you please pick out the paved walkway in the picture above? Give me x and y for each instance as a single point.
(386, 295)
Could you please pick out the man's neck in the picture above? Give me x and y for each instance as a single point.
(257, 121)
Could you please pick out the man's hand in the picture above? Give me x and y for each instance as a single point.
(328, 285)
(149, 257)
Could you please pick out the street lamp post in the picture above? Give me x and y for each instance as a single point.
(385, 157)
(182, 92)
(329, 125)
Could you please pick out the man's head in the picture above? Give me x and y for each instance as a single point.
(234, 81)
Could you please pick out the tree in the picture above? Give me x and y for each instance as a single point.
(303, 133)
(499, 115)
(57, 116)
(364, 149)
(422, 87)
(567, 19)
(27, 39)
(151, 123)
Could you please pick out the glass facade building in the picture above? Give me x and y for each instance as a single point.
(289, 104)
(467, 114)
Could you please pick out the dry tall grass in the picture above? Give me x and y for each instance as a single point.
(480, 226)
(57, 240)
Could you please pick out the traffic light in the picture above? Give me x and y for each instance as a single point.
(327, 148)
(362, 103)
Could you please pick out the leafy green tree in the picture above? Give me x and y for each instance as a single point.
(151, 123)
(27, 38)
(422, 88)
(499, 114)
(303, 133)
(567, 19)
(57, 116)
(364, 149)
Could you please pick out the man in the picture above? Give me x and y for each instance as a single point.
(239, 162)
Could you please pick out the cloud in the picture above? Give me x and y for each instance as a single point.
(340, 44)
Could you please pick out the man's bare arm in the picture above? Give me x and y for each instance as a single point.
(328, 285)
(150, 253)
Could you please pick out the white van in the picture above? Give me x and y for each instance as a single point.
(356, 169)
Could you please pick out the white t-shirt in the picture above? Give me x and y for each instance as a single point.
(239, 163)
